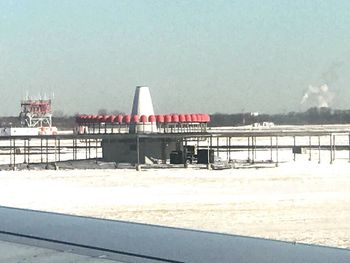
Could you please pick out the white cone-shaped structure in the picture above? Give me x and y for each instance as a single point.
(142, 105)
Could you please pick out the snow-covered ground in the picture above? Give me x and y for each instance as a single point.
(302, 200)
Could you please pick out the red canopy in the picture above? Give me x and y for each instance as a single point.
(182, 118)
(152, 118)
(120, 118)
(135, 118)
(188, 118)
(194, 117)
(107, 118)
(113, 118)
(167, 118)
(127, 119)
(143, 118)
(160, 118)
(206, 117)
(175, 118)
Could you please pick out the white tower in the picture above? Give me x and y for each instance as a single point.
(142, 105)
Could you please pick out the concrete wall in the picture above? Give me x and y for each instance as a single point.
(150, 150)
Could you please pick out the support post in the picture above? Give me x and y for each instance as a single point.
(334, 148)
(254, 148)
(138, 167)
(271, 149)
(86, 149)
(229, 149)
(319, 149)
(248, 148)
(217, 146)
(28, 152)
(349, 148)
(47, 151)
(41, 150)
(59, 149)
(11, 152)
(330, 149)
(96, 151)
(276, 151)
(14, 154)
(89, 148)
(310, 148)
(208, 153)
(24, 150)
(55, 150)
(294, 144)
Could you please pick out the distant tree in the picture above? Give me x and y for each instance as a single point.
(59, 114)
(116, 112)
(102, 112)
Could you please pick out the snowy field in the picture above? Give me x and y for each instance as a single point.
(298, 201)
(306, 200)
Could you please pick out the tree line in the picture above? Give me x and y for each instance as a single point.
(311, 116)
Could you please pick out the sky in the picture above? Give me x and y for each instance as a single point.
(196, 56)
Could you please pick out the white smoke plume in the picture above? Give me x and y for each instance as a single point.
(319, 97)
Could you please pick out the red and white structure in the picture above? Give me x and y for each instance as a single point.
(142, 119)
(142, 108)
(167, 123)
(36, 113)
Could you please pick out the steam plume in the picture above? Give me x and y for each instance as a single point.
(319, 97)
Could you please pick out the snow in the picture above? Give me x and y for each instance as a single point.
(298, 201)
(302, 200)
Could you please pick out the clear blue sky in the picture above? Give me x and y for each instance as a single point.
(196, 56)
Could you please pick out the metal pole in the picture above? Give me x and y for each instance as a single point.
(76, 149)
(86, 149)
(59, 149)
(47, 151)
(319, 149)
(41, 150)
(271, 149)
(294, 144)
(252, 151)
(248, 148)
(276, 151)
(96, 151)
(211, 145)
(309, 148)
(185, 154)
(55, 149)
(11, 151)
(330, 148)
(334, 147)
(349, 148)
(217, 146)
(138, 151)
(229, 148)
(14, 153)
(254, 148)
(208, 149)
(24, 150)
(89, 149)
(28, 152)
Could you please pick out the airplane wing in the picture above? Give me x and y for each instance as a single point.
(132, 242)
